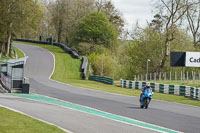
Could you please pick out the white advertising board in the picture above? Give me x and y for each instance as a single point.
(192, 59)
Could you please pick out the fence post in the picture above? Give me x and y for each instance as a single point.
(170, 75)
(146, 77)
(138, 77)
(160, 76)
(150, 77)
(181, 75)
(199, 76)
(165, 76)
(135, 78)
(154, 76)
(187, 75)
(175, 75)
(194, 76)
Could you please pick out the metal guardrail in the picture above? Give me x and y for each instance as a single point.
(84, 65)
(102, 79)
(66, 48)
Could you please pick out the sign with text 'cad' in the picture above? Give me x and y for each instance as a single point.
(192, 59)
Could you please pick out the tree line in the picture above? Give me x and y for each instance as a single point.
(95, 28)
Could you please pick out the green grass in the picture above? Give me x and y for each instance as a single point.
(62, 76)
(20, 54)
(12, 122)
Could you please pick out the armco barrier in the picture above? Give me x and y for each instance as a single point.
(84, 65)
(103, 79)
(164, 88)
(66, 48)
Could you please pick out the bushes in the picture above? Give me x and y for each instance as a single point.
(103, 65)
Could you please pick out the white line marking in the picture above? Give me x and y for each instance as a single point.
(65, 130)
(54, 63)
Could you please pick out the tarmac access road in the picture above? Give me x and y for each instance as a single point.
(39, 66)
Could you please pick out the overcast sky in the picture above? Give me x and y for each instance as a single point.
(134, 10)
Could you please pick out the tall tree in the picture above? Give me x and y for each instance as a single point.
(15, 15)
(65, 15)
(96, 29)
(114, 16)
(172, 12)
(193, 18)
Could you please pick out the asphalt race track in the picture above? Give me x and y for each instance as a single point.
(39, 67)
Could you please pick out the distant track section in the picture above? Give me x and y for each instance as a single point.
(65, 47)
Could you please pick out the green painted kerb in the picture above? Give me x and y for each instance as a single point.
(77, 107)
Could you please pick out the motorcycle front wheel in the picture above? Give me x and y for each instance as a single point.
(146, 102)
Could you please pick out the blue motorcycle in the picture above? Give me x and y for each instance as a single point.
(146, 98)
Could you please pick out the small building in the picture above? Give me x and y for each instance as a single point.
(12, 74)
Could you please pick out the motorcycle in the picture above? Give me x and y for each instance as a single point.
(146, 98)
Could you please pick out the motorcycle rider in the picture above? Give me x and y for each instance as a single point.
(148, 86)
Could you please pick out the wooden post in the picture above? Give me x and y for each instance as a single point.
(170, 76)
(155, 76)
(160, 76)
(146, 77)
(175, 75)
(150, 77)
(141, 78)
(199, 76)
(187, 75)
(138, 77)
(165, 76)
(194, 76)
(181, 75)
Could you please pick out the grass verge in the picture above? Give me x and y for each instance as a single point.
(64, 76)
(12, 122)
(20, 54)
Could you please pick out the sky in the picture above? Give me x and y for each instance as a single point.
(133, 10)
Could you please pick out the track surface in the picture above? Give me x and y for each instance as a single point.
(175, 116)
